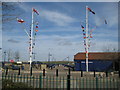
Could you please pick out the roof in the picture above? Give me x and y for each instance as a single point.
(97, 56)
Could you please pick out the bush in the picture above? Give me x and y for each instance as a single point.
(10, 84)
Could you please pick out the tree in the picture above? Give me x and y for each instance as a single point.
(9, 54)
(8, 11)
(17, 56)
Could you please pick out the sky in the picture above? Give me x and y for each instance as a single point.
(60, 30)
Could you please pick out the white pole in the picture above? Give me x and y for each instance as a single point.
(86, 39)
(31, 43)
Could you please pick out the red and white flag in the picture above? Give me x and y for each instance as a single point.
(20, 20)
(36, 11)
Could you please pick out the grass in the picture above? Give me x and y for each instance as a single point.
(11, 84)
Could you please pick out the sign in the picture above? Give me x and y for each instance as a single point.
(85, 62)
(11, 61)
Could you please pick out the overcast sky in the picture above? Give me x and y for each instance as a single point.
(60, 30)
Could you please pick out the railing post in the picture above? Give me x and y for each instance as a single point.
(57, 72)
(106, 74)
(19, 71)
(81, 73)
(43, 72)
(119, 73)
(96, 83)
(69, 71)
(31, 71)
(68, 82)
(6, 71)
(40, 81)
(94, 73)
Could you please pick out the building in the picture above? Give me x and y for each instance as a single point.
(98, 61)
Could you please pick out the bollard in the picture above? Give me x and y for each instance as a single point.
(94, 73)
(43, 72)
(31, 71)
(56, 72)
(106, 74)
(69, 71)
(6, 71)
(81, 73)
(19, 71)
(68, 82)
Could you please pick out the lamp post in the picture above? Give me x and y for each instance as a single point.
(4, 56)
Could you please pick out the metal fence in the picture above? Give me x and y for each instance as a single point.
(65, 82)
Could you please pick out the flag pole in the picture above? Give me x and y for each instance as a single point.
(86, 39)
(31, 43)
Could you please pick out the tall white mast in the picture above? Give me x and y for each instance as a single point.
(86, 39)
(31, 41)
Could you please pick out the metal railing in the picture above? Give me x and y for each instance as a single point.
(67, 81)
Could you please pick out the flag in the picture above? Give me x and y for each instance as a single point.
(36, 30)
(33, 43)
(105, 21)
(36, 26)
(90, 36)
(35, 11)
(91, 10)
(84, 41)
(82, 27)
(20, 20)
(83, 33)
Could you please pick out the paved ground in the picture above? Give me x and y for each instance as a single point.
(62, 71)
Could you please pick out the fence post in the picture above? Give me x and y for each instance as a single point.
(69, 71)
(94, 73)
(57, 72)
(19, 71)
(96, 83)
(119, 73)
(106, 74)
(6, 71)
(68, 82)
(81, 73)
(43, 72)
(31, 71)
(40, 81)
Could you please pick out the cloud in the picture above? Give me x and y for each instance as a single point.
(112, 20)
(58, 18)
(60, 0)
(60, 46)
(24, 7)
(103, 45)
(13, 41)
(109, 11)
(65, 43)
(98, 21)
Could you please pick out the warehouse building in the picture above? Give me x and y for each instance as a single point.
(98, 61)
